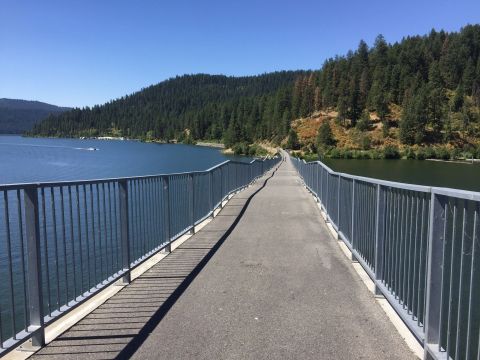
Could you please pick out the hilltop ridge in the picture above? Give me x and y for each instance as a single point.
(18, 116)
(422, 91)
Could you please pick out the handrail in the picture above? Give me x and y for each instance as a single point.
(420, 245)
(62, 242)
(87, 181)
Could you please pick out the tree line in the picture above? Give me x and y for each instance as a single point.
(434, 79)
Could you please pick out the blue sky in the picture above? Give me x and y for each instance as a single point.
(78, 53)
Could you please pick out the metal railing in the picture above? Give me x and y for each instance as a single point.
(62, 242)
(421, 247)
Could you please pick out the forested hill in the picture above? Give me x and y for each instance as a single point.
(204, 105)
(17, 116)
(422, 90)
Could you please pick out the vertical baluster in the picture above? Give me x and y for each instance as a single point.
(79, 233)
(64, 244)
(35, 294)
(94, 241)
(72, 241)
(45, 254)
(159, 213)
(22, 259)
(221, 187)
(143, 219)
(10, 264)
(352, 232)
(192, 201)
(166, 197)
(436, 240)
(211, 205)
(115, 215)
(87, 238)
(111, 247)
(99, 233)
(473, 311)
(379, 237)
(55, 239)
(105, 231)
(124, 229)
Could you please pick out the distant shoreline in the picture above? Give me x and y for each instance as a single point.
(466, 161)
(210, 144)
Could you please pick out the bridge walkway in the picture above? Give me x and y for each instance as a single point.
(278, 287)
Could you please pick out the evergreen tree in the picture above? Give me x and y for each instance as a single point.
(468, 77)
(317, 102)
(292, 142)
(364, 123)
(342, 109)
(436, 99)
(354, 102)
(414, 118)
(458, 99)
(325, 135)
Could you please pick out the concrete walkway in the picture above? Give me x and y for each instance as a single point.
(278, 287)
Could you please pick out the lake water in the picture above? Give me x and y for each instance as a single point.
(36, 160)
(430, 173)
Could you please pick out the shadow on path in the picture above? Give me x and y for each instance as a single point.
(117, 328)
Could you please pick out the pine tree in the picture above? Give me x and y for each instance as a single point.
(292, 142)
(468, 77)
(414, 118)
(458, 99)
(342, 108)
(306, 107)
(317, 103)
(297, 97)
(325, 135)
(354, 102)
(364, 123)
(436, 99)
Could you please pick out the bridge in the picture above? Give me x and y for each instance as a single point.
(242, 261)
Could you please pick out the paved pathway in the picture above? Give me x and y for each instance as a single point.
(278, 287)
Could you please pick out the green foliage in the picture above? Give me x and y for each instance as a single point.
(364, 123)
(210, 106)
(188, 140)
(292, 142)
(391, 152)
(430, 76)
(414, 118)
(409, 153)
(256, 150)
(325, 135)
(240, 148)
(442, 153)
(457, 101)
(420, 154)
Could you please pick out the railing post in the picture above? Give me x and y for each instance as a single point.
(192, 202)
(327, 192)
(166, 197)
(211, 193)
(321, 184)
(352, 235)
(124, 230)
(436, 237)
(35, 295)
(379, 237)
(338, 203)
(221, 187)
(236, 178)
